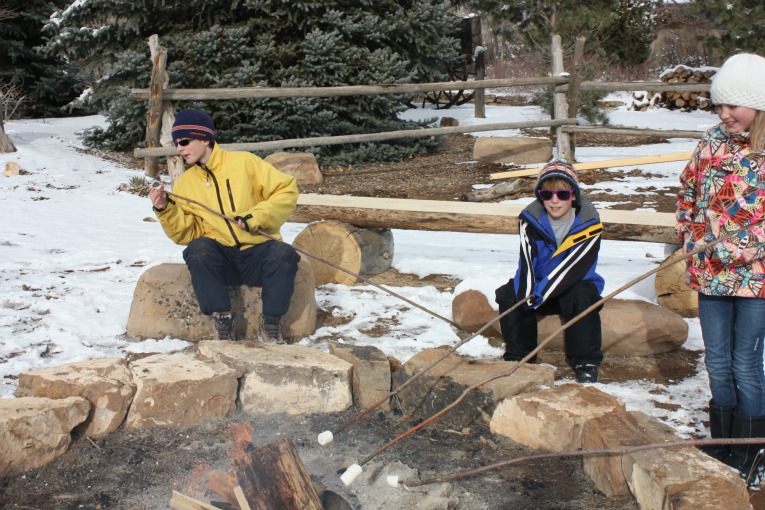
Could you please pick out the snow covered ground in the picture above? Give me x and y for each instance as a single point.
(72, 247)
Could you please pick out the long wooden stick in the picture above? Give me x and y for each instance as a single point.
(609, 163)
(320, 259)
(668, 262)
(422, 371)
(583, 453)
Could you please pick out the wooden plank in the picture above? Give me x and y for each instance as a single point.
(484, 218)
(239, 493)
(607, 163)
(180, 501)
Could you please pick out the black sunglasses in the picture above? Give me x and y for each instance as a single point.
(183, 142)
(562, 194)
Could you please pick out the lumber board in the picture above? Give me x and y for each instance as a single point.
(180, 501)
(606, 163)
(482, 218)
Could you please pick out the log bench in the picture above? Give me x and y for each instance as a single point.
(484, 218)
(164, 304)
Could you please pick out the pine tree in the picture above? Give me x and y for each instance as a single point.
(268, 43)
(46, 83)
(741, 23)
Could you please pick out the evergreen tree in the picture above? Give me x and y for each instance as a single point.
(267, 43)
(45, 82)
(741, 23)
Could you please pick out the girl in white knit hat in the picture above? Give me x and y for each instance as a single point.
(722, 190)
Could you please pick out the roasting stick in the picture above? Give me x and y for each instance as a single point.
(156, 184)
(393, 480)
(668, 262)
(328, 435)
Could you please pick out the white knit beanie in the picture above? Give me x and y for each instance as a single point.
(740, 82)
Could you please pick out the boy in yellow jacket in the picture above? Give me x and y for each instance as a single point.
(220, 253)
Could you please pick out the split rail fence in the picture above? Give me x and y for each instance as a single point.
(657, 227)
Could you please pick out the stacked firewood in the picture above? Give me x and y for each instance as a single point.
(677, 100)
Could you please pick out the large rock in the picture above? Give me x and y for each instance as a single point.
(683, 479)
(290, 379)
(301, 165)
(445, 382)
(371, 373)
(673, 293)
(516, 149)
(34, 431)
(164, 304)
(629, 327)
(106, 383)
(180, 390)
(552, 419)
(618, 430)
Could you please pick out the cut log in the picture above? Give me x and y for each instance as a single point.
(274, 477)
(222, 484)
(499, 190)
(364, 251)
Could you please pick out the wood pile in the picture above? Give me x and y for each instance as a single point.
(677, 100)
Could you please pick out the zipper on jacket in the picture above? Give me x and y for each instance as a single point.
(220, 205)
(230, 196)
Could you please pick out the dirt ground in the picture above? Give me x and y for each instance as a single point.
(138, 470)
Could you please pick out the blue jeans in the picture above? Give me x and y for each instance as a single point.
(734, 329)
(214, 267)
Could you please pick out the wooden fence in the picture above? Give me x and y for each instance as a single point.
(657, 227)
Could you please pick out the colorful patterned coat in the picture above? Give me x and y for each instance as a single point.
(722, 190)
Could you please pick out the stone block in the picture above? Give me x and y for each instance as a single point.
(445, 382)
(180, 390)
(290, 379)
(683, 479)
(301, 165)
(552, 419)
(617, 430)
(515, 149)
(12, 169)
(629, 327)
(35, 431)
(106, 383)
(371, 372)
(164, 304)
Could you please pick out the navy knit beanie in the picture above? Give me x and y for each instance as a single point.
(194, 124)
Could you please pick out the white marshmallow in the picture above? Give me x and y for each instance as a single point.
(350, 474)
(325, 437)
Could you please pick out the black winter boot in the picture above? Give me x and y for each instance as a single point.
(720, 425)
(747, 458)
(225, 322)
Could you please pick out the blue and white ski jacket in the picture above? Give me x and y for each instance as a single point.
(546, 270)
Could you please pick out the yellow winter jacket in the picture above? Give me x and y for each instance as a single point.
(238, 184)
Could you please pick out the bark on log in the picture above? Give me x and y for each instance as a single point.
(499, 190)
(273, 477)
(359, 250)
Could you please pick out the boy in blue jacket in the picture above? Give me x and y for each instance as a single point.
(560, 239)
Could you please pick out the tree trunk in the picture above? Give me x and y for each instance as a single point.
(359, 250)
(6, 145)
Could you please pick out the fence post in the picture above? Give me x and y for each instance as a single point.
(175, 165)
(479, 61)
(154, 111)
(573, 88)
(560, 106)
